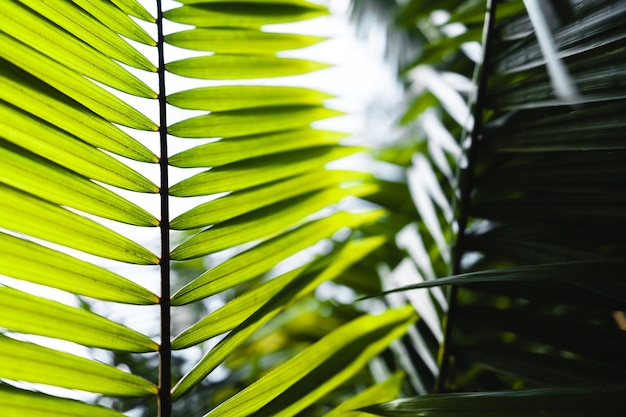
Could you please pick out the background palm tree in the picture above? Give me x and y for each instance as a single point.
(513, 192)
(519, 195)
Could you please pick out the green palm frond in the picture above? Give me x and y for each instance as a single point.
(73, 155)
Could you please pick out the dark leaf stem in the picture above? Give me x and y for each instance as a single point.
(165, 351)
(467, 184)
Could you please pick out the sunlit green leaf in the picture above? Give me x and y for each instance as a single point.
(261, 258)
(29, 362)
(26, 214)
(134, 8)
(114, 18)
(57, 146)
(243, 14)
(385, 391)
(84, 26)
(240, 67)
(239, 41)
(31, 29)
(25, 313)
(31, 95)
(31, 262)
(238, 203)
(73, 85)
(246, 147)
(235, 97)
(245, 122)
(53, 183)
(237, 176)
(18, 403)
(263, 223)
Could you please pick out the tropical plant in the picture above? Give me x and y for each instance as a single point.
(76, 163)
(505, 236)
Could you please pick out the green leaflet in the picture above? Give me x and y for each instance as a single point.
(234, 97)
(385, 391)
(243, 307)
(73, 85)
(31, 262)
(250, 173)
(240, 67)
(31, 29)
(243, 15)
(320, 368)
(238, 203)
(245, 122)
(301, 281)
(134, 8)
(116, 19)
(577, 401)
(57, 146)
(26, 214)
(24, 313)
(263, 257)
(234, 339)
(19, 403)
(53, 183)
(239, 41)
(303, 3)
(235, 312)
(85, 27)
(28, 362)
(246, 147)
(262, 223)
(31, 95)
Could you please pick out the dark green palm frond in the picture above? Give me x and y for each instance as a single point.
(539, 252)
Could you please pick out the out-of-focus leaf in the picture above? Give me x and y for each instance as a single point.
(117, 20)
(320, 368)
(385, 391)
(557, 401)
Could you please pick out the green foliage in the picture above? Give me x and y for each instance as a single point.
(505, 235)
(69, 180)
(527, 159)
